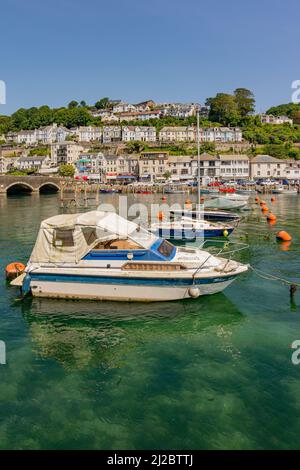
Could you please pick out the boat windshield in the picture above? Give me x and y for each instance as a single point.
(166, 249)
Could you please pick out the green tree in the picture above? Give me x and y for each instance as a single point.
(103, 103)
(135, 146)
(67, 170)
(208, 147)
(223, 109)
(245, 101)
(83, 104)
(73, 104)
(167, 175)
(39, 151)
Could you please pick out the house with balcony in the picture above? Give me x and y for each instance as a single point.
(65, 152)
(153, 168)
(180, 167)
(177, 134)
(234, 166)
(220, 134)
(209, 168)
(92, 165)
(139, 133)
(275, 120)
(89, 133)
(52, 133)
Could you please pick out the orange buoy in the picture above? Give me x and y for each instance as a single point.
(271, 222)
(160, 215)
(202, 199)
(262, 203)
(284, 236)
(271, 216)
(257, 199)
(14, 270)
(188, 202)
(264, 209)
(273, 199)
(164, 198)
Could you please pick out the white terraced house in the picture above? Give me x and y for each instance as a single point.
(89, 133)
(220, 134)
(209, 168)
(180, 167)
(26, 137)
(51, 134)
(292, 170)
(112, 134)
(265, 166)
(152, 168)
(141, 133)
(234, 166)
(35, 162)
(177, 134)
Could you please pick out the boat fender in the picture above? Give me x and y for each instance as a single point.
(225, 233)
(194, 292)
(14, 270)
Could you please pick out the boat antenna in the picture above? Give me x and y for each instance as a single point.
(198, 159)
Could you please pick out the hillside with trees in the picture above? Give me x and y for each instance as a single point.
(236, 109)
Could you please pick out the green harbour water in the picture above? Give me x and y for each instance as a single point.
(211, 373)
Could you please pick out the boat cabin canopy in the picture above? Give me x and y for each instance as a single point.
(67, 238)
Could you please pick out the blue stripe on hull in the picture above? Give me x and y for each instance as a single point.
(191, 234)
(126, 281)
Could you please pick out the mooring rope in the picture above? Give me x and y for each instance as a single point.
(271, 277)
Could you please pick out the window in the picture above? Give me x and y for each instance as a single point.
(63, 237)
(165, 249)
(89, 234)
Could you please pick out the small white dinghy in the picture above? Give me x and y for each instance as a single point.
(101, 256)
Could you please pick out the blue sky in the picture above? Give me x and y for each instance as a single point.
(167, 50)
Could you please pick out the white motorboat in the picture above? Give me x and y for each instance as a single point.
(187, 228)
(283, 190)
(210, 215)
(101, 256)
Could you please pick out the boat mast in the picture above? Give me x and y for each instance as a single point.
(198, 159)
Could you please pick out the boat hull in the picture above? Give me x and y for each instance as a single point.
(180, 234)
(158, 292)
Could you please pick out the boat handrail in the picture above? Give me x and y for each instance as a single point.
(243, 246)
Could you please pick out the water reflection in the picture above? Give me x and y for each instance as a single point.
(82, 334)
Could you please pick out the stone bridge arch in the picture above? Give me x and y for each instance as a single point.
(19, 187)
(49, 187)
